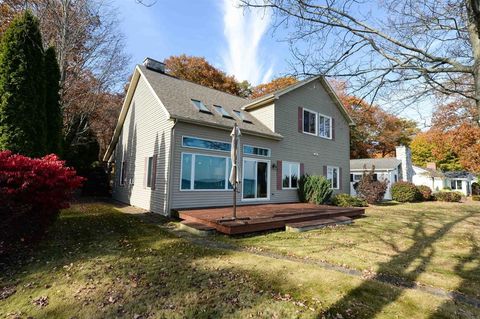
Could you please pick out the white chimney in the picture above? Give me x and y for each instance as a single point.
(403, 154)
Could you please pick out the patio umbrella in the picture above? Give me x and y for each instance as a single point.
(235, 172)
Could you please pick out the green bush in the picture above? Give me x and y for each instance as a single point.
(314, 189)
(448, 196)
(425, 192)
(345, 200)
(405, 192)
(476, 197)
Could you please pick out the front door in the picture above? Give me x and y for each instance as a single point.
(256, 179)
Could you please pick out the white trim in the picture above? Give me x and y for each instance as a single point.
(192, 174)
(265, 148)
(149, 174)
(205, 139)
(290, 174)
(330, 126)
(303, 121)
(256, 160)
(338, 176)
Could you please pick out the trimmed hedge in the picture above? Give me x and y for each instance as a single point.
(448, 196)
(476, 197)
(425, 192)
(405, 192)
(345, 200)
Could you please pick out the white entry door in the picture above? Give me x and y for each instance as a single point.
(256, 179)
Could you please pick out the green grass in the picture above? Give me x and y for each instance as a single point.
(99, 263)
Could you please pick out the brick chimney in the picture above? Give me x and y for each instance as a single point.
(403, 154)
(432, 165)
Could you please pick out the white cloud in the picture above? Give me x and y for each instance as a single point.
(244, 30)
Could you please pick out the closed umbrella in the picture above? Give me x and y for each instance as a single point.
(235, 172)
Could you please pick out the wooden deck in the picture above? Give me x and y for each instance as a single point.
(253, 218)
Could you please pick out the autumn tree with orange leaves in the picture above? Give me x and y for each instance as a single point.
(272, 86)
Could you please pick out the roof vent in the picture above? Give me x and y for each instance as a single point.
(154, 65)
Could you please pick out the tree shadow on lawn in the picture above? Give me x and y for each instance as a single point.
(108, 264)
(468, 269)
(411, 263)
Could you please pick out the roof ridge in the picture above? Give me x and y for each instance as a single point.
(203, 86)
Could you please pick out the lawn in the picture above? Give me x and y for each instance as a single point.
(99, 263)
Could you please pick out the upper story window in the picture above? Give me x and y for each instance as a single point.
(195, 142)
(324, 126)
(290, 175)
(253, 150)
(241, 116)
(200, 106)
(222, 111)
(309, 122)
(333, 176)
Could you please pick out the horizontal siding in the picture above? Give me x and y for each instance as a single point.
(189, 199)
(266, 115)
(314, 151)
(146, 131)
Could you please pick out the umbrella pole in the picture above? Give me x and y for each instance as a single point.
(235, 192)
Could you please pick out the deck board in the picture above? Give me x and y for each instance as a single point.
(253, 218)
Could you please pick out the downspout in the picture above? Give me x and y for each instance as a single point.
(170, 165)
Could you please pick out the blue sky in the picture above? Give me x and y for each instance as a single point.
(237, 41)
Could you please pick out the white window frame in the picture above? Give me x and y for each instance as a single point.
(330, 126)
(456, 184)
(206, 139)
(338, 176)
(148, 173)
(290, 164)
(355, 175)
(256, 160)
(192, 174)
(303, 122)
(265, 148)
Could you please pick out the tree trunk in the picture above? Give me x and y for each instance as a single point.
(473, 13)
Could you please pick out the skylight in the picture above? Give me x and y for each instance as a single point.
(200, 106)
(241, 116)
(222, 111)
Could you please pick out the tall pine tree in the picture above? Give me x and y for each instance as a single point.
(52, 102)
(22, 88)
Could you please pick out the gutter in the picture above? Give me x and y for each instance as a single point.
(170, 166)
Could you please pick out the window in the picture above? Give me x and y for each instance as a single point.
(200, 106)
(247, 149)
(309, 122)
(456, 184)
(222, 111)
(123, 173)
(150, 174)
(324, 126)
(290, 175)
(204, 172)
(195, 142)
(355, 177)
(333, 176)
(241, 116)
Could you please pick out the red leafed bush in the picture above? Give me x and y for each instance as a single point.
(32, 191)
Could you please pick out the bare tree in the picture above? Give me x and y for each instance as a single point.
(406, 49)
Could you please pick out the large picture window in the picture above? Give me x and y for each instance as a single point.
(333, 176)
(195, 142)
(205, 172)
(290, 175)
(325, 126)
(309, 122)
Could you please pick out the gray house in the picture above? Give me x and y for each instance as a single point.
(171, 145)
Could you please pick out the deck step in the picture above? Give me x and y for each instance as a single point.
(196, 228)
(317, 223)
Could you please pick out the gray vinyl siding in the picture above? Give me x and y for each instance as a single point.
(146, 131)
(266, 115)
(189, 199)
(300, 147)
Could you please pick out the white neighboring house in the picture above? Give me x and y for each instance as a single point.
(400, 168)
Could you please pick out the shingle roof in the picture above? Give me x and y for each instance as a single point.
(459, 174)
(379, 163)
(176, 96)
(430, 172)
